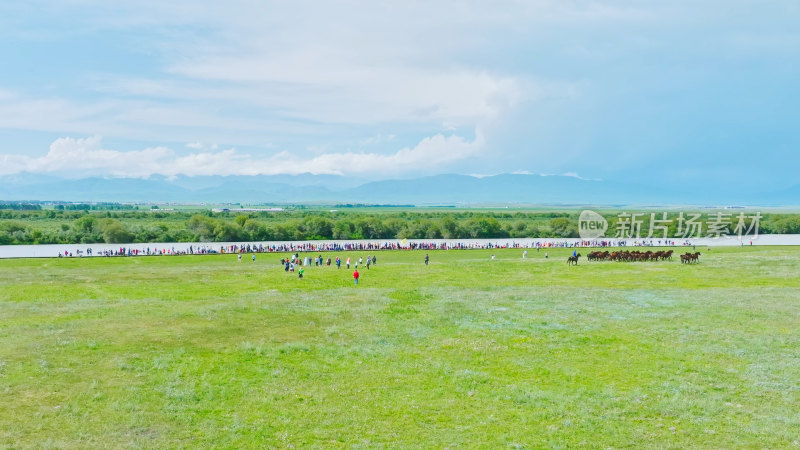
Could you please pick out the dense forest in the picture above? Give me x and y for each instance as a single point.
(113, 224)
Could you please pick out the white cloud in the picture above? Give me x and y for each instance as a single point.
(565, 174)
(326, 89)
(197, 145)
(377, 139)
(150, 121)
(85, 157)
(430, 153)
(82, 157)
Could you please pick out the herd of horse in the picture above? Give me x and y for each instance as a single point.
(688, 258)
(635, 255)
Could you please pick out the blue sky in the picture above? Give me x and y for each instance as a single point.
(701, 94)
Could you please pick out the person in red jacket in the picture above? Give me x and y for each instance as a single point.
(355, 276)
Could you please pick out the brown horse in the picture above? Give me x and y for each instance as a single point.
(688, 258)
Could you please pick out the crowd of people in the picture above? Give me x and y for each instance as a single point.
(335, 246)
(296, 263)
(129, 251)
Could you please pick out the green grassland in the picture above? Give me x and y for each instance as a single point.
(204, 351)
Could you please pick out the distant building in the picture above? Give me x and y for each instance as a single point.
(247, 210)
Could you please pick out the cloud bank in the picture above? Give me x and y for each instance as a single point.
(683, 91)
(82, 157)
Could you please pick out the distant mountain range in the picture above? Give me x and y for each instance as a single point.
(329, 189)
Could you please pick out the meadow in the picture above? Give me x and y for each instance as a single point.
(205, 351)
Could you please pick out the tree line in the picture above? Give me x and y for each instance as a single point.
(114, 226)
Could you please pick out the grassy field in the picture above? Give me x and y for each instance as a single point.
(467, 352)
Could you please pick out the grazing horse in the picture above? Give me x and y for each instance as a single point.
(689, 258)
(573, 259)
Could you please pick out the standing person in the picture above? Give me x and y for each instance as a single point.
(338, 262)
(254, 257)
(369, 261)
(374, 260)
(355, 276)
(545, 255)
(426, 259)
(240, 257)
(300, 273)
(524, 254)
(348, 262)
